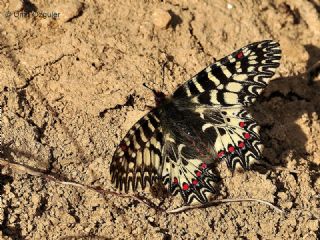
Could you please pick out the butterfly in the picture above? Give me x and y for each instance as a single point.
(204, 122)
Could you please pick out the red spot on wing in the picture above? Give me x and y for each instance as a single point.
(203, 165)
(247, 135)
(185, 186)
(240, 55)
(220, 154)
(231, 149)
(241, 144)
(194, 181)
(198, 173)
(242, 124)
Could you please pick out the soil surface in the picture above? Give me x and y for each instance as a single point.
(71, 85)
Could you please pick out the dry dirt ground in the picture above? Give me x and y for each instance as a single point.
(71, 86)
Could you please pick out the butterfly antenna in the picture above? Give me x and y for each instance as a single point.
(146, 86)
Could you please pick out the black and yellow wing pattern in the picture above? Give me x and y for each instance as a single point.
(204, 122)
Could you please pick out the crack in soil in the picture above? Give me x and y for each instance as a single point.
(194, 36)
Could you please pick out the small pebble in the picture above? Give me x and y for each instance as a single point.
(161, 18)
(313, 225)
(229, 6)
(282, 195)
(5, 120)
(287, 205)
(35, 199)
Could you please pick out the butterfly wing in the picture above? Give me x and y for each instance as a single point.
(236, 138)
(196, 137)
(221, 91)
(187, 153)
(241, 75)
(187, 174)
(137, 159)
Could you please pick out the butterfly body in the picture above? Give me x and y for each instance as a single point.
(203, 123)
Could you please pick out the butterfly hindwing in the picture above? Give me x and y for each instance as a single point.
(196, 138)
(187, 153)
(191, 177)
(235, 79)
(237, 137)
(137, 159)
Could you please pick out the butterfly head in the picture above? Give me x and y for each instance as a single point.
(159, 97)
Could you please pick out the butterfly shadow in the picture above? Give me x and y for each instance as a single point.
(285, 113)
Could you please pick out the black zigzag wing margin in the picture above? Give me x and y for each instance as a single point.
(237, 139)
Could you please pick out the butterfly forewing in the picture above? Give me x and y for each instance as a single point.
(203, 123)
(235, 79)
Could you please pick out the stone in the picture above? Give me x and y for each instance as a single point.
(161, 18)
